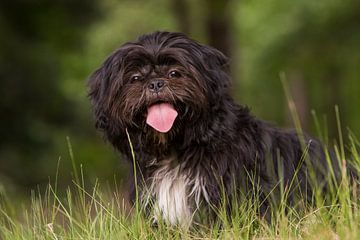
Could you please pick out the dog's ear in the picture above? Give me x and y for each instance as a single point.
(217, 68)
(215, 58)
(101, 85)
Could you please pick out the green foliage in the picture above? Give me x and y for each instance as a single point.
(313, 42)
(35, 112)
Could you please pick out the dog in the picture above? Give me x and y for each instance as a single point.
(164, 102)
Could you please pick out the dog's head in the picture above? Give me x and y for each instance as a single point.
(158, 83)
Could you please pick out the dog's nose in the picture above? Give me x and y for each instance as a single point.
(156, 85)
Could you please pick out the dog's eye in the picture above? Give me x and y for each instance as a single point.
(135, 78)
(174, 74)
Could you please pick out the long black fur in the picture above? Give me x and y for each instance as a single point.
(213, 135)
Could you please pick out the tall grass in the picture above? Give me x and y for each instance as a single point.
(102, 213)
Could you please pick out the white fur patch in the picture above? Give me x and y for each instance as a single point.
(176, 194)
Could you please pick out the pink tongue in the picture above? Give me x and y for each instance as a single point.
(161, 117)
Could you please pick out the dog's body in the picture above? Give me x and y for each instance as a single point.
(193, 144)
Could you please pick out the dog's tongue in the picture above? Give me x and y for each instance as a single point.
(161, 117)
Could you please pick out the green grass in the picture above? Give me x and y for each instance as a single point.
(101, 213)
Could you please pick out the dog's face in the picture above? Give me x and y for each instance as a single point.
(158, 84)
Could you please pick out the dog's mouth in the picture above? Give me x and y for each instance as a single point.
(161, 116)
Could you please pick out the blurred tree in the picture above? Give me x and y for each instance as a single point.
(181, 12)
(218, 25)
(35, 35)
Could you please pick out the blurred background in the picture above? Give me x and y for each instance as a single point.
(48, 48)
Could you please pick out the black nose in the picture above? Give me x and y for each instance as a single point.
(156, 85)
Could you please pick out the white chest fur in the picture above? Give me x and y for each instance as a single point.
(171, 194)
(175, 193)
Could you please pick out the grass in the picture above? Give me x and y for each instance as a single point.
(102, 213)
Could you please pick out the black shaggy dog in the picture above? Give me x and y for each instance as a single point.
(193, 145)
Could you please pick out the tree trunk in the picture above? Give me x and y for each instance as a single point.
(181, 12)
(218, 25)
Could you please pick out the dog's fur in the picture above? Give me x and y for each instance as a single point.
(215, 148)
